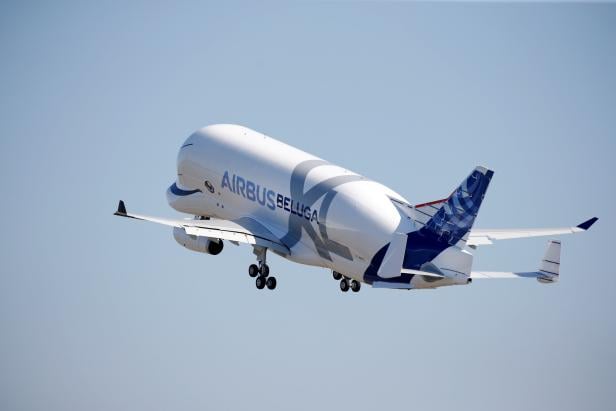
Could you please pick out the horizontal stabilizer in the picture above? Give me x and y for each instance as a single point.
(549, 269)
(423, 273)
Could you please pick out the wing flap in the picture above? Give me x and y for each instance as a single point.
(219, 233)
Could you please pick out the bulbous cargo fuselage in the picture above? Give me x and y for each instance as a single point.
(322, 212)
(275, 197)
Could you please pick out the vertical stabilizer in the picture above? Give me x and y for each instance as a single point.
(450, 223)
(456, 216)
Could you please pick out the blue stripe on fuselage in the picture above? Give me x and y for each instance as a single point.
(179, 192)
(421, 246)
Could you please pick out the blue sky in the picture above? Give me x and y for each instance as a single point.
(102, 313)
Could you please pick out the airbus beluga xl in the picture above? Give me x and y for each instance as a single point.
(241, 186)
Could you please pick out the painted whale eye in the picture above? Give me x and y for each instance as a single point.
(209, 186)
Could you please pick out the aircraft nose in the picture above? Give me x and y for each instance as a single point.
(182, 199)
(171, 198)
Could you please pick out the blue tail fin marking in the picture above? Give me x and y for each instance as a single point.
(450, 223)
(448, 226)
(456, 217)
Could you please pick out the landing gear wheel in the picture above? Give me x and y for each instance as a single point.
(260, 282)
(271, 282)
(264, 270)
(337, 275)
(355, 286)
(253, 270)
(344, 285)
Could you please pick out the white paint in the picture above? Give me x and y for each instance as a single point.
(363, 216)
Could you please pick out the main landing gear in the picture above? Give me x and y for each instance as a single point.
(346, 283)
(262, 270)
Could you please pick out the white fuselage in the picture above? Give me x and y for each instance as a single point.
(328, 216)
(242, 186)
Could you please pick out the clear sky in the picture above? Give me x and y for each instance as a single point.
(102, 313)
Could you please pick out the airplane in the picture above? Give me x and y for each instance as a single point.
(241, 186)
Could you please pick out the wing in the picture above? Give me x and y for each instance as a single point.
(244, 230)
(487, 236)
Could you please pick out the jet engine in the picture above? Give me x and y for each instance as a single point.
(196, 243)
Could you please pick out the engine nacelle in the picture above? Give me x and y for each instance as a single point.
(195, 243)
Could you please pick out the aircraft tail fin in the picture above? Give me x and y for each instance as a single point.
(455, 217)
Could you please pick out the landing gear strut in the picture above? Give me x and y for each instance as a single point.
(262, 270)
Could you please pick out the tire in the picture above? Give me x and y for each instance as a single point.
(337, 276)
(260, 282)
(271, 283)
(344, 285)
(264, 270)
(253, 270)
(355, 286)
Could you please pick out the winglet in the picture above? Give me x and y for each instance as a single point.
(587, 224)
(121, 211)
